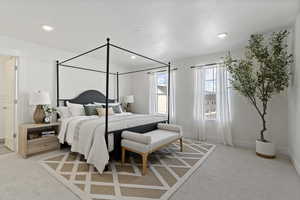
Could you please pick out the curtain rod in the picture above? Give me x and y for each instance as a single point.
(209, 64)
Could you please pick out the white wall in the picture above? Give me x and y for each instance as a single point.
(1, 100)
(294, 102)
(73, 82)
(246, 124)
(1, 78)
(38, 72)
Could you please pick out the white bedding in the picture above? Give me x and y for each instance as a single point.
(67, 128)
(86, 134)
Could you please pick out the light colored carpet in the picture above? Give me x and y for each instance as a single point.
(228, 174)
(168, 169)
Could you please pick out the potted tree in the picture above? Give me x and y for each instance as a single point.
(263, 73)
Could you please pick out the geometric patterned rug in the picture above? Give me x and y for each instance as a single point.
(168, 170)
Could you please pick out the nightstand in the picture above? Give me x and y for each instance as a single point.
(33, 138)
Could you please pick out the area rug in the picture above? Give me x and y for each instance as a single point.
(168, 170)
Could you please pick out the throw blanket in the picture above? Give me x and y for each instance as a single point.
(86, 135)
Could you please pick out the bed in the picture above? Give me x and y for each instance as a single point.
(91, 136)
(86, 134)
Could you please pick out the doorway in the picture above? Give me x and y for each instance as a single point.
(8, 103)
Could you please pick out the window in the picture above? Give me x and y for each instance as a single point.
(162, 92)
(210, 93)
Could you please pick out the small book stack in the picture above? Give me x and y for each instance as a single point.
(48, 133)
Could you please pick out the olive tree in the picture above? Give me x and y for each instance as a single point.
(263, 72)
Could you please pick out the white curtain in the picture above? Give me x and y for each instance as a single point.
(223, 117)
(199, 94)
(152, 93)
(172, 97)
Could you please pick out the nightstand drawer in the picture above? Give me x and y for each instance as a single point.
(38, 146)
(45, 139)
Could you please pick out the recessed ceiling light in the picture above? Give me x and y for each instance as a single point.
(132, 57)
(47, 28)
(222, 35)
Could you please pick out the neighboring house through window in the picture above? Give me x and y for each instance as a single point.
(210, 93)
(162, 92)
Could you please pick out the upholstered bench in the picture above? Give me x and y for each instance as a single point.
(146, 143)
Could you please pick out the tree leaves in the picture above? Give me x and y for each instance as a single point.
(263, 72)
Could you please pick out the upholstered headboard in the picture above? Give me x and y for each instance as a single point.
(89, 96)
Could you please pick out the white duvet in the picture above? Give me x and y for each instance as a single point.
(86, 134)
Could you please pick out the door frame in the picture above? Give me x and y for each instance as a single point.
(16, 54)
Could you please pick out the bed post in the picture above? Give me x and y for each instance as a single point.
(169, 89)
(107, 86)
(57, 83)
(118, 97)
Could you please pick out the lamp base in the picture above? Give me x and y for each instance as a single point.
(39, 115)
(128, 107)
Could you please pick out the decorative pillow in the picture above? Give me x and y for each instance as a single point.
(91, 109)
(110, 111)
(115, 106)
(76, 109)
(102, 111)
(63, 112)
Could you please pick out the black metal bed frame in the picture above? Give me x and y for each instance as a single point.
(107, 72)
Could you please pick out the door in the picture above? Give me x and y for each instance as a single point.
(9, 102)
(2, 108)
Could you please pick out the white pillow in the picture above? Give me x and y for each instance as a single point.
(99, 104)
(63, 112)
(114, 104)
(76, 109)
(103, 104)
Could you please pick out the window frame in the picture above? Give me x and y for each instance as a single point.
(161, 94)
(209, 92)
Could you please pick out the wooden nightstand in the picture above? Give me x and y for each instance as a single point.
(31, 140)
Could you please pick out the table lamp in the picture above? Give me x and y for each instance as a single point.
(39, 99)
(128, 100)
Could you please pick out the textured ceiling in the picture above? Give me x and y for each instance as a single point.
(165, 29)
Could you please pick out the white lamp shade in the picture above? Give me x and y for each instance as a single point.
(129, 99)
(39, 98)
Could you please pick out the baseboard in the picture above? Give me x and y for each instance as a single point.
(1, 140)
(247, 145)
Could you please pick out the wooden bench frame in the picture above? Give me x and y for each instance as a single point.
(146, 154)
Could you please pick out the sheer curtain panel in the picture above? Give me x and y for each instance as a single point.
(152, 93)
(199, 95)
(223, 117)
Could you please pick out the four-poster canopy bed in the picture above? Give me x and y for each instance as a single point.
(142, 124)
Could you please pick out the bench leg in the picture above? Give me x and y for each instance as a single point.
(145, 162)
(181, 144)
(123, 155)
